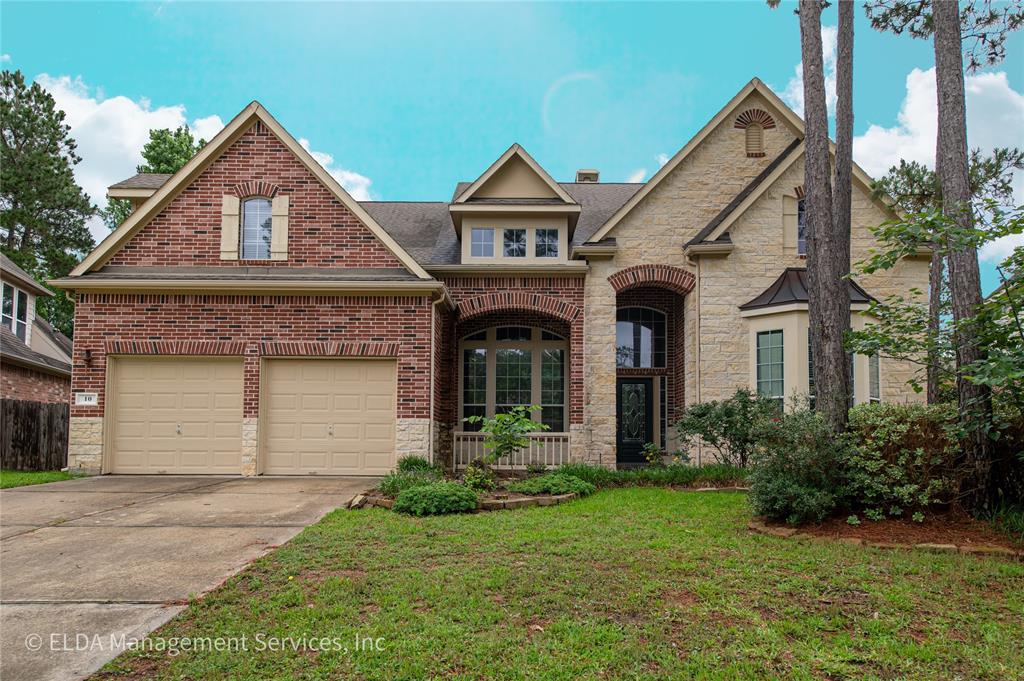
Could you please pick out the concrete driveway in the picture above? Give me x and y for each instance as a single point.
(94, 558)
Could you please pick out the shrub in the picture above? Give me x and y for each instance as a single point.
(799, 473)
(553, 483)
(507, 433)
(653, 455)
(679, 474)
(399, 481)
(597, 476)
(905, 458)
(478, 476)
(437, 498)
(410, 463)
(727, 425)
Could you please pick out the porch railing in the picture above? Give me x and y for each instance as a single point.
(549, 449)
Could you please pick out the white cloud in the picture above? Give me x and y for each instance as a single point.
(995, 118)
(111, 131)
(355, 184)
(5, 58)
(793, 93)
(662, 159)
(637, 175)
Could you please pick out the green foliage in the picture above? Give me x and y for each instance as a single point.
(478, 476)
(905, 458)
(412, 462)
(507, 433)
(116, 212)
(553, 483)
(653, 455)
(168, 150)
(42, 209)
(675, 474)
(438, 498)
(399, 481)
(727, 425)
(799, 474)
(535, 469)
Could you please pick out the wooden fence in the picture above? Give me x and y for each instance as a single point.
(33, 435)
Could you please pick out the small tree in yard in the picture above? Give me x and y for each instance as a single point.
(727, 425)
(508, 433)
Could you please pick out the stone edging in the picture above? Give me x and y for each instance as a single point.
(758, 527)
(362, 501)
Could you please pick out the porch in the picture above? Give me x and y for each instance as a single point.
(547, 449)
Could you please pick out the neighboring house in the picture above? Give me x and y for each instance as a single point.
(251, 316)
(35, 358)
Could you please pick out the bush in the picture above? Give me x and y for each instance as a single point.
(674, 474)
(597, 476)
(507, 433)
(437, 498)
(410, 463)
(727, 425)
(399, 481)
(553, 483)
(478, 476)
(799, 472)
(905, 458)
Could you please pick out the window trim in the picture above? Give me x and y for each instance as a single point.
(769, 333)
(473, 242)
(665, 349)
(241, 227)
(505, 243)
(536, 242)
(801, 209)
(537, 344)
(874, 379)
(17, 295)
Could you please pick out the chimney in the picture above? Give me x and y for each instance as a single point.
(587, 175)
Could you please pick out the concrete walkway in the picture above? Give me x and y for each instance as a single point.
(86, 560)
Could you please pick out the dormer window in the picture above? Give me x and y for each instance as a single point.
(515, 243)
(546, 243)
(482, 242)
(257, 229)
(15, 310)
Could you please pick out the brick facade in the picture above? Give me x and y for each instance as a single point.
(21, 383)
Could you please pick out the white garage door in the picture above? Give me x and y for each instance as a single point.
(329, 416)
(176, 415)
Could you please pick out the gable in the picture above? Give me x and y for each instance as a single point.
(180, 225)
(515, 180)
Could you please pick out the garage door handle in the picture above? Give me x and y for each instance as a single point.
(179, 429)
(330, 430)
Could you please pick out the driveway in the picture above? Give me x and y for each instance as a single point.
(90, 560)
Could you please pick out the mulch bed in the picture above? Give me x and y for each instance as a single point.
(489, 501)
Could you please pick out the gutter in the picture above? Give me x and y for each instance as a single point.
(96, 284)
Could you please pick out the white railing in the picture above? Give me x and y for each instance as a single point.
(548, 449)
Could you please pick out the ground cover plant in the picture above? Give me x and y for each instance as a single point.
(639, 583)
(10, 479)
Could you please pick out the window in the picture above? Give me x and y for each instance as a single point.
(546, 243)
(509, 366)
(640, 337)
(755, 140)
(15, 311)
(801, 227)
(515, 243)
(256, 229)
(874, 379)
(770, 365)
(482, 242)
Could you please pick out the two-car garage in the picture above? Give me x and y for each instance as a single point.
(183, 415)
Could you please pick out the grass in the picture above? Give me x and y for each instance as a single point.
(23, 478)
(639, 583)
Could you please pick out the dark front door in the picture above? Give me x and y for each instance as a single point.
(634, 416)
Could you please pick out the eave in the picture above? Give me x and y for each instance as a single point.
(94, 284)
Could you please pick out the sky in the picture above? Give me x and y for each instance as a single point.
(399, 101)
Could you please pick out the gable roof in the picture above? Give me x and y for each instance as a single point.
(791, 287)
(13, 350)
(514, 151)
(43, 327)
(755, 85)
(231, 132)
(11, 269)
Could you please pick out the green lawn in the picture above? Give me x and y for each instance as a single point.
(22, 478)
(630, 583)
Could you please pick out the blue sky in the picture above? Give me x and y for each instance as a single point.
(403, 100)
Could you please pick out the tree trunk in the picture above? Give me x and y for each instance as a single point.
(935, 274)
(975, 401)
(828, 297)
(841, 206)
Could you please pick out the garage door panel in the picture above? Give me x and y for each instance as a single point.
(330, 407)
(152, 396)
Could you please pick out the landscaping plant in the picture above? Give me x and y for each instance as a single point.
(399, 481)
(507, 433)
(412, 462)
(437, 498)
(478, 476)
(553, 483)
(727, 425)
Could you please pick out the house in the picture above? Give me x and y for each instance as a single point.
(252, 317)
(35, 358)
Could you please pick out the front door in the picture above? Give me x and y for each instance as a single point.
(634, 416)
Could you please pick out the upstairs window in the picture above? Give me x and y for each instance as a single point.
(874, 379)
(547, 243)
(515, 243)
(256, 229)
(15, 311)
(801, 227)
(482, 242)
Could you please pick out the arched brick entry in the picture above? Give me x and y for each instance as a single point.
(519, 301)
(674, 279)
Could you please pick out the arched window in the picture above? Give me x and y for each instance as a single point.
(256, 229)
(755, 140)
(507, 366)
(640, 337)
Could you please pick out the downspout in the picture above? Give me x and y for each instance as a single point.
(697, 381)
(433, 370)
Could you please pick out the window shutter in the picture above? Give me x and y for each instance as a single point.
(789, 222)
(229, 228)
(279, 228)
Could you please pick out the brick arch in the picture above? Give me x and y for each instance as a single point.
(666, 276)
(255, 188)
(750, 116)
(518, 300)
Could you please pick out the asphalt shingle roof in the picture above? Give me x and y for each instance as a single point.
(10, 268)
(14, 350)
(143, 181)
